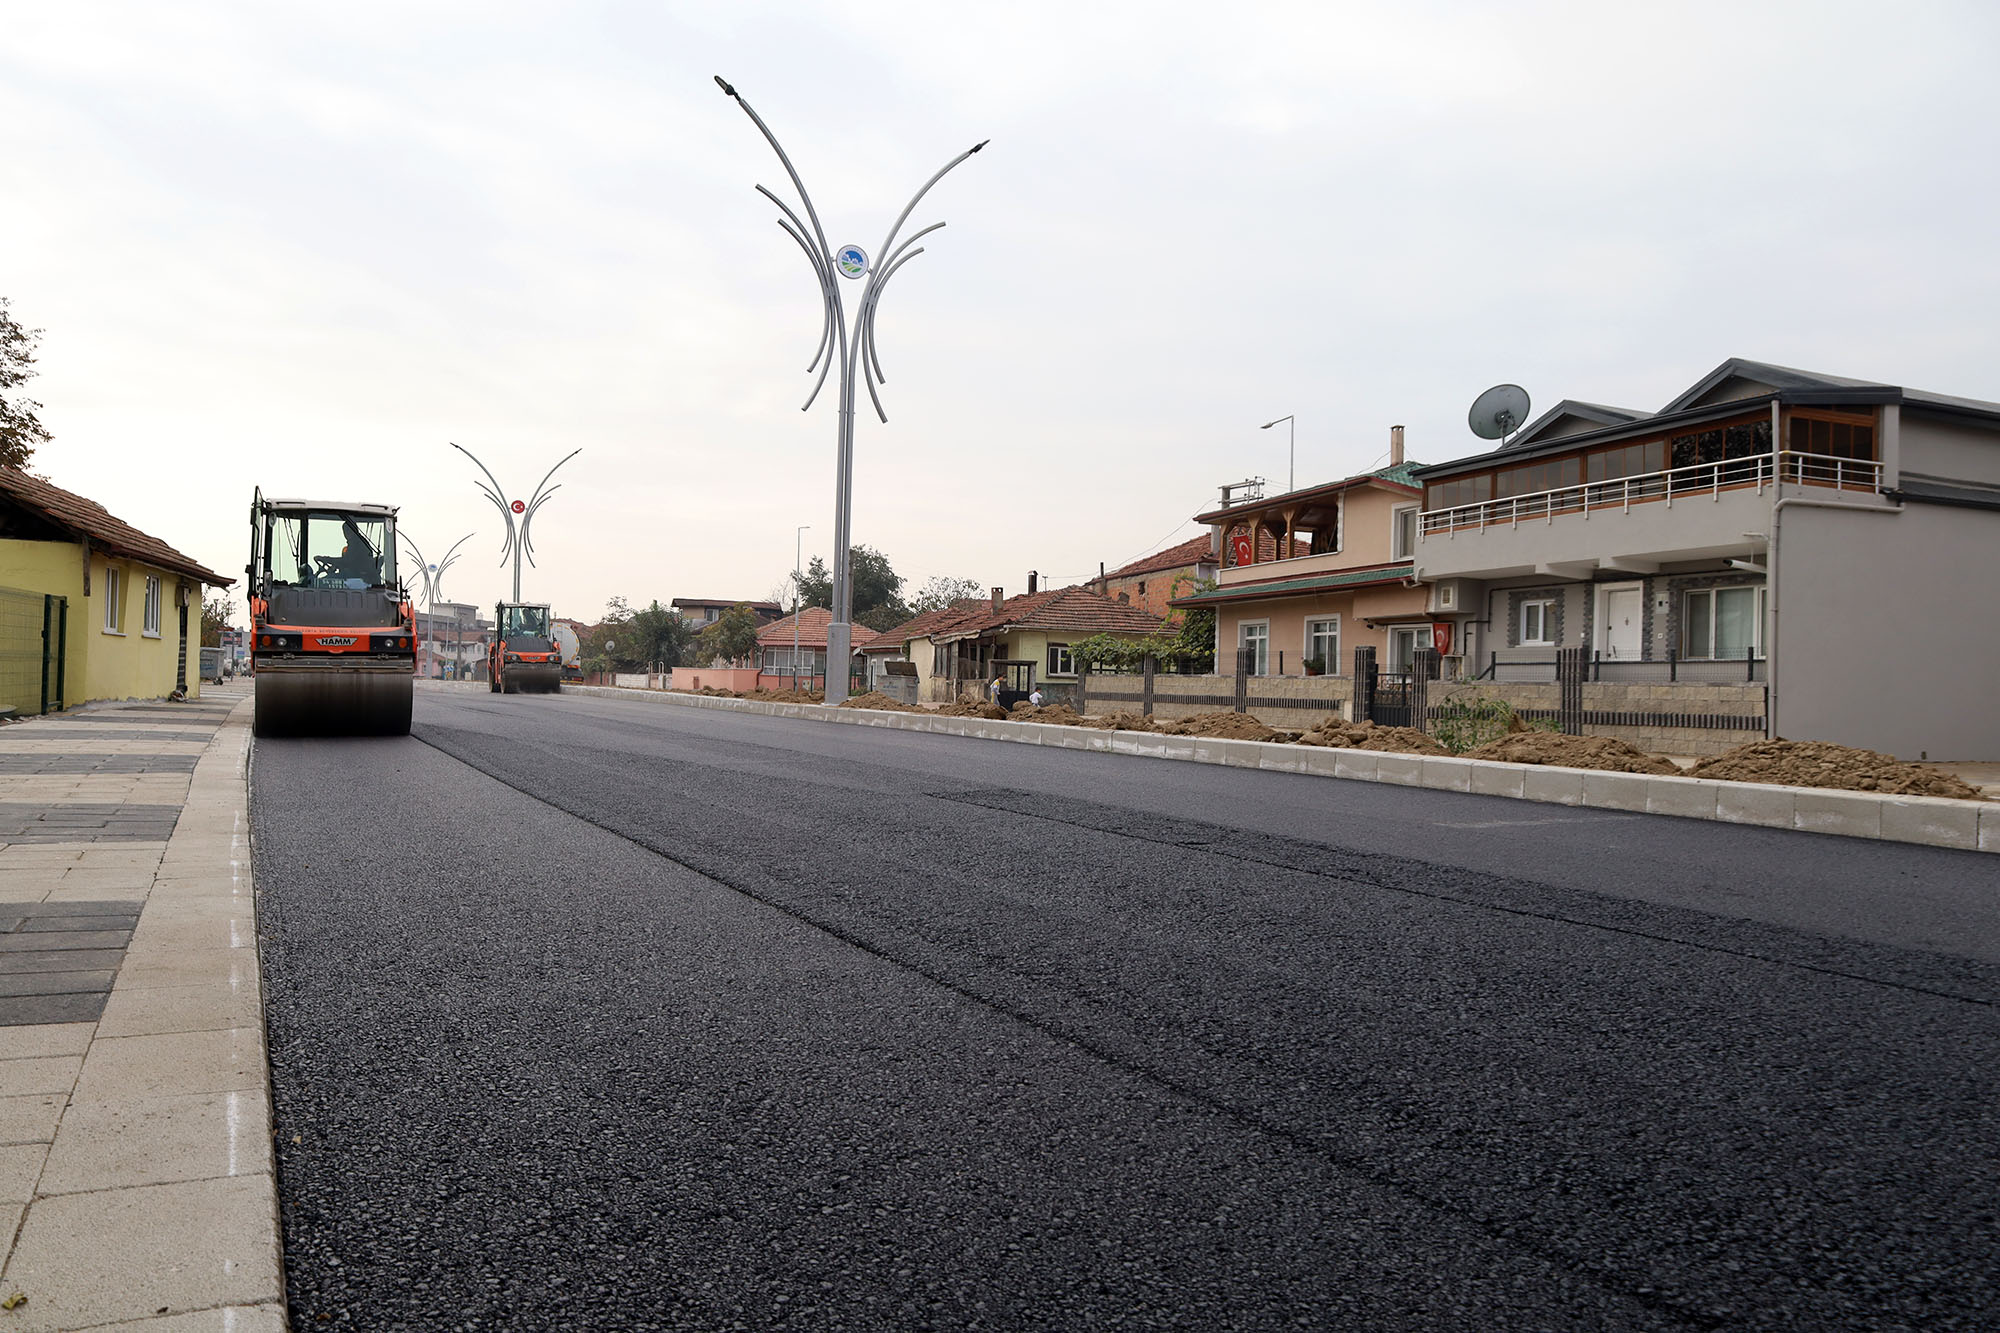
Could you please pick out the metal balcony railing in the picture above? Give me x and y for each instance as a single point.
(1712, 479)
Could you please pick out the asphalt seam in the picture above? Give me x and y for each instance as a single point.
(1623, 1287)
(1217, 849)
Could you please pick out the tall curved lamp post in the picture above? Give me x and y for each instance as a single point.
(433, 575)
(517, 513)
(852, 347)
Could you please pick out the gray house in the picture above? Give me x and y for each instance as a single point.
(1835, 539)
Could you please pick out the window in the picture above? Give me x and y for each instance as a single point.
(152, 626)
(1833, 436)
(311, 548)
(1537, 477)
(114, 600)
(1060, 662)
(1632, 460)
(1538, 621)
(1255, 635)
(1464, 491)
(1403, 645)
(1723, 623)
(1403, 533)
(1323, 642)
(1142, 587)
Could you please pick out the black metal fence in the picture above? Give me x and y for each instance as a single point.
(1599, 669)
(34, 635)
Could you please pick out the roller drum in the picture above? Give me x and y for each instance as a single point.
(333, 703)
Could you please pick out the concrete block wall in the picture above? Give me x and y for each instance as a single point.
(1292, 702)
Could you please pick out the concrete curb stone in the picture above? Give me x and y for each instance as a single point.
(1928, 821)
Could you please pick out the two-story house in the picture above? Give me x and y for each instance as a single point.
(1347, 583)
(1834, 538)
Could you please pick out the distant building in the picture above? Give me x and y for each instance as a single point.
(703, 611)
(1152, 582)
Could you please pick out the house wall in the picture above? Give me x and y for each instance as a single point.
(1153, 590)
(1688, 527)
(97, 664)
(1288, 616)
(1366, 522)
(1884, 630)
(1935, 447)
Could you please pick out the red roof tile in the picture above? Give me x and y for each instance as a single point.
(892, 639)
(1075, 610)
(812, 631)
(1193, 551)
(88, 519)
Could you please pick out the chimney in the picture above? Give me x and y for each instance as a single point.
(1395, 446)
(1033, 580)
(999, 596)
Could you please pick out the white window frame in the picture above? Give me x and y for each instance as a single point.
(1332, 667)
(114, 600)
(1546, 628)
(1756, 620)
(1063, 665)
(1397, 551)
(154, 591)
(1261, 664)
(1417, 636)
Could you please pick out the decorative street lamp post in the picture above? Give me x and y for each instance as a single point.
(517, 513)
(857, 345)
(434, 581)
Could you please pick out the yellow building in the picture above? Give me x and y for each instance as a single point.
(91, 607)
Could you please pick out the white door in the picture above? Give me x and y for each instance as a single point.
(1623, 618)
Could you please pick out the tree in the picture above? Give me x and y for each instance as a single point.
(878, 588)
(20, 431)
(644, 640)
(939, 592)
(732, 636)
(214, 619)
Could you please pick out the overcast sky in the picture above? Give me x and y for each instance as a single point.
(305, 247)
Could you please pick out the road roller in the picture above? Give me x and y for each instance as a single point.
(523, 654)
(333, 646)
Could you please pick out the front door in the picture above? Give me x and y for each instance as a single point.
(1624, 617)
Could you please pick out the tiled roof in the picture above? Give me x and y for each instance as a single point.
(1193, 551)
(812, 631)
(87, 518)
(1074, 610)
(891, 640)
(1399, 474)
(1302, 583)
(728, 604)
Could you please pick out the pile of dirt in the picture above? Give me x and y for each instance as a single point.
(1821, 764)
(711, 691)
(1122, 720)
(1552, 747)
(973, 708)
(1222, 726)
(1339, 735)
(878, 700)
(782, 696)
(1055, 715)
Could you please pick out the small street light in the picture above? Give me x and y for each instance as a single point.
(1291, 451)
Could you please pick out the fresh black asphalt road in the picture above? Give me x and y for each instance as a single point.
(607, 1014)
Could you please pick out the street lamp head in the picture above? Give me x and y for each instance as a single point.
(981, 144)
(723, 84)
(1267, 425)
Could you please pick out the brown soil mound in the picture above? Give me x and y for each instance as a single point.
(710, 690)
(1222, 726)
(968, 708)
(1055, 715)
(1122, 720)
(1341, 735)
(878, 700)
(1820, 764)
(785, 696)
(1552, 747)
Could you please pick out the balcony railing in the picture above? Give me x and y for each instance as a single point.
(1729, 474)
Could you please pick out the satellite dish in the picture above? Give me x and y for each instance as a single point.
(1499, 412)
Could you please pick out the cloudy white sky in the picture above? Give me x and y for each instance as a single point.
(306, 246)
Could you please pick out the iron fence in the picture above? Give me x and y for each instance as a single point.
(1599, 669)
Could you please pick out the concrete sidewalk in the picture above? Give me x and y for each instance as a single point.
(137, 1187)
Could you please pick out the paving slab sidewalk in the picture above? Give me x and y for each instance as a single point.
(137, 1185)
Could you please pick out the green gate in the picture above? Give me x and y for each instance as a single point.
(34, 629)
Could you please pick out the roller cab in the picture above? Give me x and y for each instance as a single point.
(524, 654)
(333, 645)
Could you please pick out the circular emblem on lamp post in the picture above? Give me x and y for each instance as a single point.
(519, 507)
(851, 260)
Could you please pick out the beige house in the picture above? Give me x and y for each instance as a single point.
(1349, 583)
(1833, 539)
(1023, 640)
